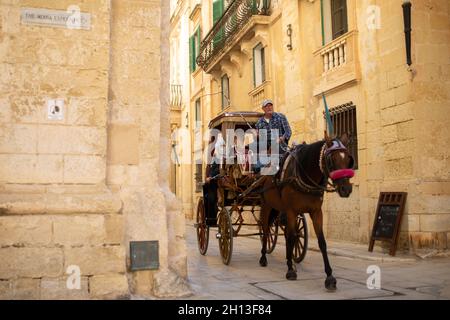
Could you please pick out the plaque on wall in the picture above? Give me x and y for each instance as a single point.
(73, 18)
(388, 217)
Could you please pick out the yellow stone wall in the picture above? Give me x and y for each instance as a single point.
(401, 111)
(77, 191)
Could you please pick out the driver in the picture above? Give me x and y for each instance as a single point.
(266, 127)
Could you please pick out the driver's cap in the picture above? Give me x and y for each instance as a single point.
(266, 102)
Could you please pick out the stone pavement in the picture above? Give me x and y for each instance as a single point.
(402, 277)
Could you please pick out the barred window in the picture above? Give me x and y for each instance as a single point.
(343, 118)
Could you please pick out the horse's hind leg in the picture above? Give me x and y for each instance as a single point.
(290, 242)
(264, 221)
(317, 218)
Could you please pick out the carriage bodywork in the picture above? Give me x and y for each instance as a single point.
(239, 199)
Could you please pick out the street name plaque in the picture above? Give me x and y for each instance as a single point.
(70, 19)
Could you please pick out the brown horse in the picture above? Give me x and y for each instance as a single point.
(304, 178)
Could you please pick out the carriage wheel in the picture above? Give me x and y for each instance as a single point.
(225, 236)
(301, 239)
(273, 236)
(202, 228)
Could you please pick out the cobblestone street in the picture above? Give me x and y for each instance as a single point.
(402, 277)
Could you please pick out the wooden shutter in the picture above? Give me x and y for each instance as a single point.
(197, 49)
(192, 54)
(217, 13)
(217, 10)
(339, 17)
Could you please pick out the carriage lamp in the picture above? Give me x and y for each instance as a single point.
(289, 34)
(407, 23)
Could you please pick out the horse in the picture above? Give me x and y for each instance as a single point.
(300, 188)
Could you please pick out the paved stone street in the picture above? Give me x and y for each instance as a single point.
(402, 277)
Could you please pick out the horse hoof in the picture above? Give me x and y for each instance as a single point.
(291, 275)
(263, 262)
(330, 283)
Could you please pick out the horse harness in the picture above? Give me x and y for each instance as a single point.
(310, 186)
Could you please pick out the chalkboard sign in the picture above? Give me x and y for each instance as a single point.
(389, 214)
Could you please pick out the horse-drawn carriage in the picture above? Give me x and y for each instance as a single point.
(237, 194)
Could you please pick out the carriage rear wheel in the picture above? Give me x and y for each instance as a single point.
(202, 228)
(225, 236)
(273, 236)
(301, 239)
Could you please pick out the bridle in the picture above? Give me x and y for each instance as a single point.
(326, 167)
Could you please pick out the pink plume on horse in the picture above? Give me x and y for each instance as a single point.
(341, 174)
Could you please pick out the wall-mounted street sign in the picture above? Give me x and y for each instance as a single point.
(70, 19)
(389, 214)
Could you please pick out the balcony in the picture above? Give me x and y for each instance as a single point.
(264, 91)
(176, 103)
(237, 20)
(176, 96)
(336, 64)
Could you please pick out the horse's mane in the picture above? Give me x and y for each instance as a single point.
(307, 158)
(309, 153)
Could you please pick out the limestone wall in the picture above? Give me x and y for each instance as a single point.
(76, 191)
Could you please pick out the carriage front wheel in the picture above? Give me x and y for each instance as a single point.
(301, 239)
(202, 228)
(225, 236)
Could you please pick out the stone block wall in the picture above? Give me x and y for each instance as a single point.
(37, 251)
(74, 192)
(401, 119)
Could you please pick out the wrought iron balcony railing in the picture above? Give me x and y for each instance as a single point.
(176, 96)
(233, 20)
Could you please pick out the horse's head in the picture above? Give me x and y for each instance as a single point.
(337, 164)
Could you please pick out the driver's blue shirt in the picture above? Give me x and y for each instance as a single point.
(278, 121)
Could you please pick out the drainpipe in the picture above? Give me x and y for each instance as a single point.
(407, 22)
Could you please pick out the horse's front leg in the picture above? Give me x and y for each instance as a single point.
(290, 242)
(317, 218)
(264, 221)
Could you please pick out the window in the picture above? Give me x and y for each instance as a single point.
(259, 65)
(334, 19)
(344, 121)
(225, 92)
(339, 17)
(194, 49)
(198, 114)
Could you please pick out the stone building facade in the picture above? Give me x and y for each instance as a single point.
(79, 183)
(354, 52)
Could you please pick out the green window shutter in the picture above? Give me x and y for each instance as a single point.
(254, 67)
(263, 64)
(197, 50)
(191, 54)
(217, 13)
(217, 10)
